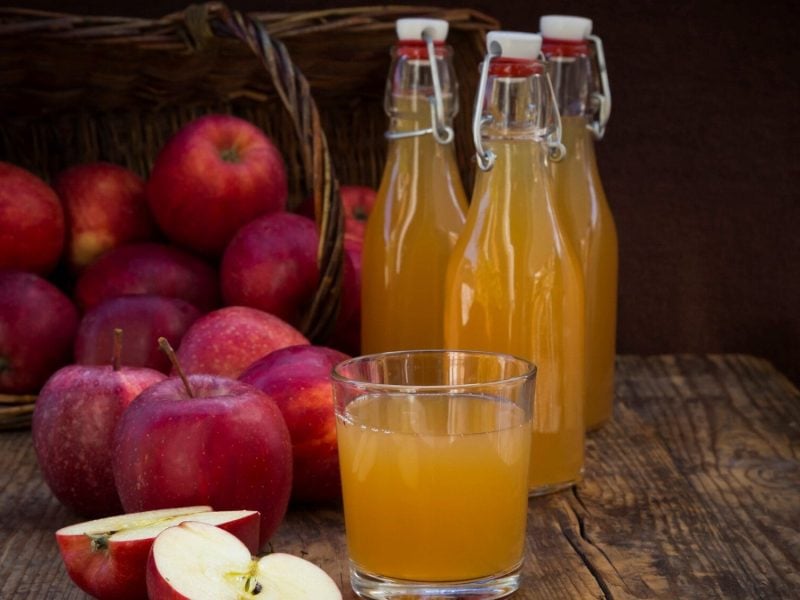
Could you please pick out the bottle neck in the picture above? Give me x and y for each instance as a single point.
(570, 68)
(518, 102)
(410, 93)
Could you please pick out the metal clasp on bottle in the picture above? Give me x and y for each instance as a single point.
(442, 132)
(485, 158)
(601, 101)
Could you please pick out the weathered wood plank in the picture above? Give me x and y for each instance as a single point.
(692, 491)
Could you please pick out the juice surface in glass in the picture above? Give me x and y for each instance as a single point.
(514, 285)
(419, 212)
(434, 486)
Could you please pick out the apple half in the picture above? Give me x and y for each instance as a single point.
(197, 561)
(107, 558)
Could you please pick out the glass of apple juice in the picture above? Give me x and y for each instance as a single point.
(433, 452)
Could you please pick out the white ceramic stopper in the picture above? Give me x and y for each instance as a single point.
(412, 29)
(515, 44)
(563, 27)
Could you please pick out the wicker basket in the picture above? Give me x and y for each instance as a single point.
(78, 89)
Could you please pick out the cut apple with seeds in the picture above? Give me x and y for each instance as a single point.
(197, 561)
(107, 558)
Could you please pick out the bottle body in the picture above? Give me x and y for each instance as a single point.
(418, 214)
(589, 223)
(514, 285)
(581, 200)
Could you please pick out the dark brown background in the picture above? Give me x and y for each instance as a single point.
(700, 163)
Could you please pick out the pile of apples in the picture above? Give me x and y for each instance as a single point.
(204, 255)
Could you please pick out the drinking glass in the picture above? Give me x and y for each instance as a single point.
(433, 450)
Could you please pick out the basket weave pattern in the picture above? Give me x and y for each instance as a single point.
(80, 89)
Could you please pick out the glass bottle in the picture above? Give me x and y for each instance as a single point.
(421, 206)
(580, 197)
(513, 282)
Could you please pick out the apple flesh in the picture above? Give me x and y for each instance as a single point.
(298, 379)
(196, 560)
(31, 222)
(105, 207)
(148, 268)
(107, 558)
(73, 427)
(143, 319)
(271, 265)
(215, 175)
(224, 444)
(228, 340)
(37, 331)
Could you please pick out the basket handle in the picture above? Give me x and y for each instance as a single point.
(215, 19)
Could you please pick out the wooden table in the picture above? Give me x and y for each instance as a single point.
(693, 491)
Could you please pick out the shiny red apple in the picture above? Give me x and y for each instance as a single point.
(215, 175)
(105, 207)
(228, 340)
(271, 265)
(298, 379)
(148, 268)
(31, 222)
(144, 319)
(37, 330)
(211, 440)
(73, 427)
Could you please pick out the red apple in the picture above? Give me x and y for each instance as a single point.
(105, 207)
(73, 427)
(357, 203)
(271, 265)
(31, 222)
(107, 558)
(144, 319)
(228, 340)
(148, 268)
(224, 443)
(215, 175)
(197, 560)
(298, 379)
(37, 330)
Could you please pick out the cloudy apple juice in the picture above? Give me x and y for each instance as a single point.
(423, 503)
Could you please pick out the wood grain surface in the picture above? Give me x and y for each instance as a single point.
(692, 491)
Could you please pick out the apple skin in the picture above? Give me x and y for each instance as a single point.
(357, 201)
(105, 207)
(298, 379)
(228, 447)
(73, 427)
(148, 268)
(271, 265)
(357, 204)
(116, 569)
(37, 329)
(32, 226)
(228, 340)
(215, 175)
(143, 319)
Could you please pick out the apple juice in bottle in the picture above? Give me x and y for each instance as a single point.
(513, 282)
(420, 208)
(580, 197)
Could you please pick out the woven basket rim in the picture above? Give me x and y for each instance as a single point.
(161, 30)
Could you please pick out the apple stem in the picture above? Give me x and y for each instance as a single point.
(167, 349)
(116, 353)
